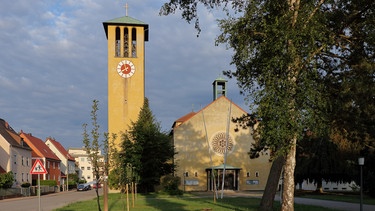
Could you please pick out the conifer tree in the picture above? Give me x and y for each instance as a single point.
(147, 152)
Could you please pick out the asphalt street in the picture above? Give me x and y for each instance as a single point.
(47, 202)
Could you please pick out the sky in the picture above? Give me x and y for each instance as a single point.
(53, 64)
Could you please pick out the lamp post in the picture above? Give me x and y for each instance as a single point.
(361, 162)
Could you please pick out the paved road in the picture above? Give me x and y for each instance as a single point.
(334, 204)
(343, 206)
(48, 202)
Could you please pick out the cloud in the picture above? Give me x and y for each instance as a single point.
(54, 63)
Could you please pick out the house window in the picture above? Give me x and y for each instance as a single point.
(82, 168)
(27, 161)
(53, 165)
(47, 164)
(256, 174)
(88, 177)
(22, 177)
(88, 168)
(248, 174)
(27, 175)
(186, 174)
(15, 159)
(15, 176)
(83, 159)
(22, 161)
(196, 174)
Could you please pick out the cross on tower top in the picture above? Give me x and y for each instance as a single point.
(126, 9)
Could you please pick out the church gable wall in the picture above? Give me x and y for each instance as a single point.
(194, 148)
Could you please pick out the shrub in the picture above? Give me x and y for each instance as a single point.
(6, 180)
(170, 184)
(48, 182)
(26, 185)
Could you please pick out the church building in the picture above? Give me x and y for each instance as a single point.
(209, 145)
(212, 150)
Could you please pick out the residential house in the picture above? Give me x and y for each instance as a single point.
(42, 152)
(85, 169)
(67, 165)
(15, 154)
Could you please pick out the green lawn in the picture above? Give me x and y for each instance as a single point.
(153, 202)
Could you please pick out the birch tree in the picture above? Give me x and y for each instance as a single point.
(285, 52)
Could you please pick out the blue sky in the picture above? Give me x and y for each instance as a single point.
(53, 64)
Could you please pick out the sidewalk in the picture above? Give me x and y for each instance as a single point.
(344, 206)
(333, 204)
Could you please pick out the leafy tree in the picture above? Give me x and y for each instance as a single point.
(351, 84)
(318, 159)
(6, 180)
(92, 146)
(285, 54)
(147, 152)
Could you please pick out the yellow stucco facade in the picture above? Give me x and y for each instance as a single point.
(200, 140)
(126, 72)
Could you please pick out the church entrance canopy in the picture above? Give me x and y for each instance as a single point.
(215, 177)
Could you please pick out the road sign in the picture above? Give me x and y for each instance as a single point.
(38, 168)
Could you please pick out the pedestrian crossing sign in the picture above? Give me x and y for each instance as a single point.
(38, 168)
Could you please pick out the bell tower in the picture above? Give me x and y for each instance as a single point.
(219, 87)
(126, 39)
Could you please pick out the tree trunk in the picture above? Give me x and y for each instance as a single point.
(288, 184)
(319, 186)
(266, 204)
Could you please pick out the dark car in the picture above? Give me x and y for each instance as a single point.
(83, 187)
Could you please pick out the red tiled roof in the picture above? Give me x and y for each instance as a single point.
(2, 171)
(61, 149)
(186, 117)
(11, 135)
(38, 146)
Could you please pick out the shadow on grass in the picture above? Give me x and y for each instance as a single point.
(191, 202)
(165, 202)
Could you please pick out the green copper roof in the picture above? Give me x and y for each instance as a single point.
(228, 167)
(126, 21)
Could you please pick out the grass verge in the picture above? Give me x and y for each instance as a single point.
(188, 202)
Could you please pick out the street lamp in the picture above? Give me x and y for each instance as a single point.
(361, 162)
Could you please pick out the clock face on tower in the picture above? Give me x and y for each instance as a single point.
(125, 69)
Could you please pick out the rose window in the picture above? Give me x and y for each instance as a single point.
(218, 142)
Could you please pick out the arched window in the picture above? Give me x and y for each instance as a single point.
(118, 43)
(134, 42)
(126, 42)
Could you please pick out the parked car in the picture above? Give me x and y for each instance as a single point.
(83, 187)
(94, 185)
